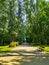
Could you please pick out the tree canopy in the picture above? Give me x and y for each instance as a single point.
(24, 19)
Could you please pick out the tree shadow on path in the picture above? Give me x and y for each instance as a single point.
(24, 57)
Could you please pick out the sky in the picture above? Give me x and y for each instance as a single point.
(24, 16)
(47, 0)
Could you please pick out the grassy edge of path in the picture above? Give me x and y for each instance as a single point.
(4, 49)
(46, 48)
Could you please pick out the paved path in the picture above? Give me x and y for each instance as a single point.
(24, 55)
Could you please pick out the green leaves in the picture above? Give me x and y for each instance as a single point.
(36, 26)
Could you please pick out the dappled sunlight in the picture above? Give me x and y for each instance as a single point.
(25, 48)
(24, 56)
(24, 60)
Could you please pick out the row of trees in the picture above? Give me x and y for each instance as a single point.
(10, 22)
(38, 22)
(22, 20)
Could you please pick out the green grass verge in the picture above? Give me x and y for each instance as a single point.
(4, 49)
(46, 48)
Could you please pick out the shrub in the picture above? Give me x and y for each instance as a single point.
(35, 44)
(13, 44)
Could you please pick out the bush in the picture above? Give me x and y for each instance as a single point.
(35, 44)
(13, 44)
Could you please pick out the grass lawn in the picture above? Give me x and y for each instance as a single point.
(4, 49)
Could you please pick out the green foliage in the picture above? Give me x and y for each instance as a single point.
(9, 23)
(37, 23)
(35, 28)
